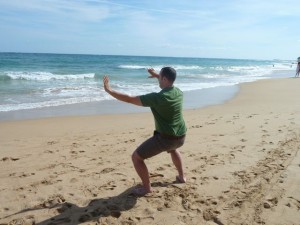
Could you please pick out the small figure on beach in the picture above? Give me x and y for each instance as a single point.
(170, 128)
(298, 68)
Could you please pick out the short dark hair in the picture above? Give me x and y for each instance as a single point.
(169, 73)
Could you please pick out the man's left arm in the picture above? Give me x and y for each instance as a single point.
(120, 96)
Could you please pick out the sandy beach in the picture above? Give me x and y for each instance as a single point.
(241, 160)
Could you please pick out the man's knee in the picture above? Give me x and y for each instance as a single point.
(174, 152)
(135, 157)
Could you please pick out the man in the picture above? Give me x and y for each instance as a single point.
(298, 68)
(170, 128)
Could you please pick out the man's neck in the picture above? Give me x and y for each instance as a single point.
(168, 86)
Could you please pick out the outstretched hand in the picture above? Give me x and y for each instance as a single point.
(152, 73)
(106, 83)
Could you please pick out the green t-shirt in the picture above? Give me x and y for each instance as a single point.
(166, 107)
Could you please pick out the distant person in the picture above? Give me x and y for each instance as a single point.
(170, 129)
(298, 69)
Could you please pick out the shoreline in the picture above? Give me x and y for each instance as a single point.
(206, 97)
(241, 159)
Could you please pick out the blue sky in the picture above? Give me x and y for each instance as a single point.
(253, 29)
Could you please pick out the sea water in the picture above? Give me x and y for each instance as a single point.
(36, 81)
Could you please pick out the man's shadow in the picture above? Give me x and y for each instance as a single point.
(97, 208)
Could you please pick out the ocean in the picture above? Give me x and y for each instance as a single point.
(35, 81)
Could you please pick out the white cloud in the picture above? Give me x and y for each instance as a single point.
(78, 10)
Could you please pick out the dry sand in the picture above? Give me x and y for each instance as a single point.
(241, 159)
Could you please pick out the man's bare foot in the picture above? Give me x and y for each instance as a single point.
(140, 191)
(180, 179)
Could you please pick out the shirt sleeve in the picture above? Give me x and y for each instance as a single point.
(149, 100)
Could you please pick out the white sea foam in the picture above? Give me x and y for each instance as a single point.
(158, 67)
(133, 67)
(198, 86)
(183, 67)
(245, 70)
(51, 103)
(250, 70)
(45, 76)
(65, 95)
(214, 76)
(79, 91)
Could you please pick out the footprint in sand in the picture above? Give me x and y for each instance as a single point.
(156, 175)
(232, 155)
(193, 179)
(238, 148)
(24, 174)
(196, 126)
(107, 170)
(293, 202)
(270, 202)
(65, 207)
(160, 168)
(73, 180)
(131, 140)
(52, 201)
(109, 186)
(210, 215)
(7, 159)
(48, 151)
(28, 220)
(52, 142)
(75, 145)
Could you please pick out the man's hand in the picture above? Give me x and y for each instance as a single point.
(152, 73)
(120, 96)
(106, 84)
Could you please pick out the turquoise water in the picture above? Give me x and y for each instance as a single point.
(31, 81)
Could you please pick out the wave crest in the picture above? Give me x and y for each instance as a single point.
(176, 67)
(43, 76)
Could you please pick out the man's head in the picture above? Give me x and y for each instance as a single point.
(167, 77)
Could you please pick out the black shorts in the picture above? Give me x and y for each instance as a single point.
(158, 144)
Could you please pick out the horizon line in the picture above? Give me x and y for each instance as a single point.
(124, 55)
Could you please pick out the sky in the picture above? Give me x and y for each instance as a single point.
(244, 29)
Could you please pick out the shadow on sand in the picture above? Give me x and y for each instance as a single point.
(70, 213)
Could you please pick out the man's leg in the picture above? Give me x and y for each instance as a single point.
(142, 171)
(176, 158)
